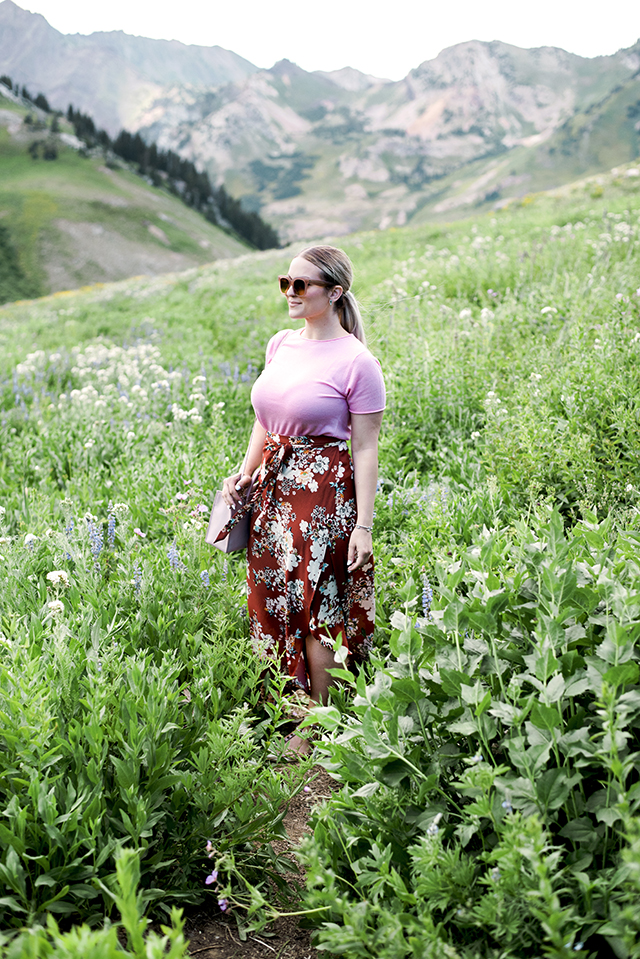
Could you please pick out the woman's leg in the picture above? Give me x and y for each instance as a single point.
(319, 660)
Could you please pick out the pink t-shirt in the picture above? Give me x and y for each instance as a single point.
(311, 387)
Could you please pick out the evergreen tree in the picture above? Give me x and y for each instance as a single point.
(42, 102)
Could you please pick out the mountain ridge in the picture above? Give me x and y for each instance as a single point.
(328, 152)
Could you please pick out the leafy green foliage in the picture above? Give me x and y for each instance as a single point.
(83, 942)
(512, 702)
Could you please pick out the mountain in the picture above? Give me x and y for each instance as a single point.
(325, 153)
(322, 153)
(111, 76)
(72, 220)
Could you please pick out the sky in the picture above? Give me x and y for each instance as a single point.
(385, 39)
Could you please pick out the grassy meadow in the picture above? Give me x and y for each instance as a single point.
(73, 220)
(487, 757)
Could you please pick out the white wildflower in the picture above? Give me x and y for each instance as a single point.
(58, 577)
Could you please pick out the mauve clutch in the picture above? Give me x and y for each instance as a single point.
(238, 538)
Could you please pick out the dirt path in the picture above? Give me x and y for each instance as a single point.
(284, 939)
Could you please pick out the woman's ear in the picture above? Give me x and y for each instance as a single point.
(335, 293)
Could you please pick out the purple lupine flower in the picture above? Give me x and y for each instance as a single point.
(174, 557)
(96, 541)
(111, 527)
(224, 904)
(137, 578)
(204, 576)
(225, 569)
(213, 877)
(427, 596)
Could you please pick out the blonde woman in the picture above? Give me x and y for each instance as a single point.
(310, 553)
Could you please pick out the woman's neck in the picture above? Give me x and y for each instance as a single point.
(324, 328)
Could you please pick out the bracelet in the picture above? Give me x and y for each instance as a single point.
(369, 529)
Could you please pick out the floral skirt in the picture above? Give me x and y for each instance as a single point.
(304, 511)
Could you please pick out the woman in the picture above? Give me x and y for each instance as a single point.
(310, 567)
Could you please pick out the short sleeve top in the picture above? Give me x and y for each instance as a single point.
(311, 387)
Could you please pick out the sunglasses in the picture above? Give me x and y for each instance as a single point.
(300, 284)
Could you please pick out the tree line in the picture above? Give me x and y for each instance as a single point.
(181, 177)
(38, 101)
(165, 168)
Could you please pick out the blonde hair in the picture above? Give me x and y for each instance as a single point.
(336, 268)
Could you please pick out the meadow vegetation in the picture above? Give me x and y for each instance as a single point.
(487, 756)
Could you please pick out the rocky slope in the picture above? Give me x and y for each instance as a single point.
(328, 152)
(111, 76)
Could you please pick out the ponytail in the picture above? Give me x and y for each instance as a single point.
(350, 318)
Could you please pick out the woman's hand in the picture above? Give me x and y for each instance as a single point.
(360, 549)
(234, 488)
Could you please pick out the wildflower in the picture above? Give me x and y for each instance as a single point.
(465, 314)
(204, 576)
(111, 527)
(131, 435)
(213, 877)
(174, 557)
(96, 540)
(433, 828)
(209, 847)
(578, 946)
(306, 789)
(495, 874)
(427, 596)
(475, 435)
(182, 496)
(58, 577)
(56, 607)
(506, 805)
(139, 533)
(2, 512)
(30, 540)
(224, 904)
(548, 309)
(225, 569)
(99, 665)
(70, 528)
(137, 579)
(477, 758)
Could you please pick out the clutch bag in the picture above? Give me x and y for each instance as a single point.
(221, 514)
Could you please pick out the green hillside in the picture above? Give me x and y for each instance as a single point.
(72, 221)
(487, 799)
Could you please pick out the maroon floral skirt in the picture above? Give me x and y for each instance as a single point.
(303, 513)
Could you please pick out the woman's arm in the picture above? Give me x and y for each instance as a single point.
(252, 460)
(365, 429)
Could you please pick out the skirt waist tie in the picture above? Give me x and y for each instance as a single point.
(276, 451)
